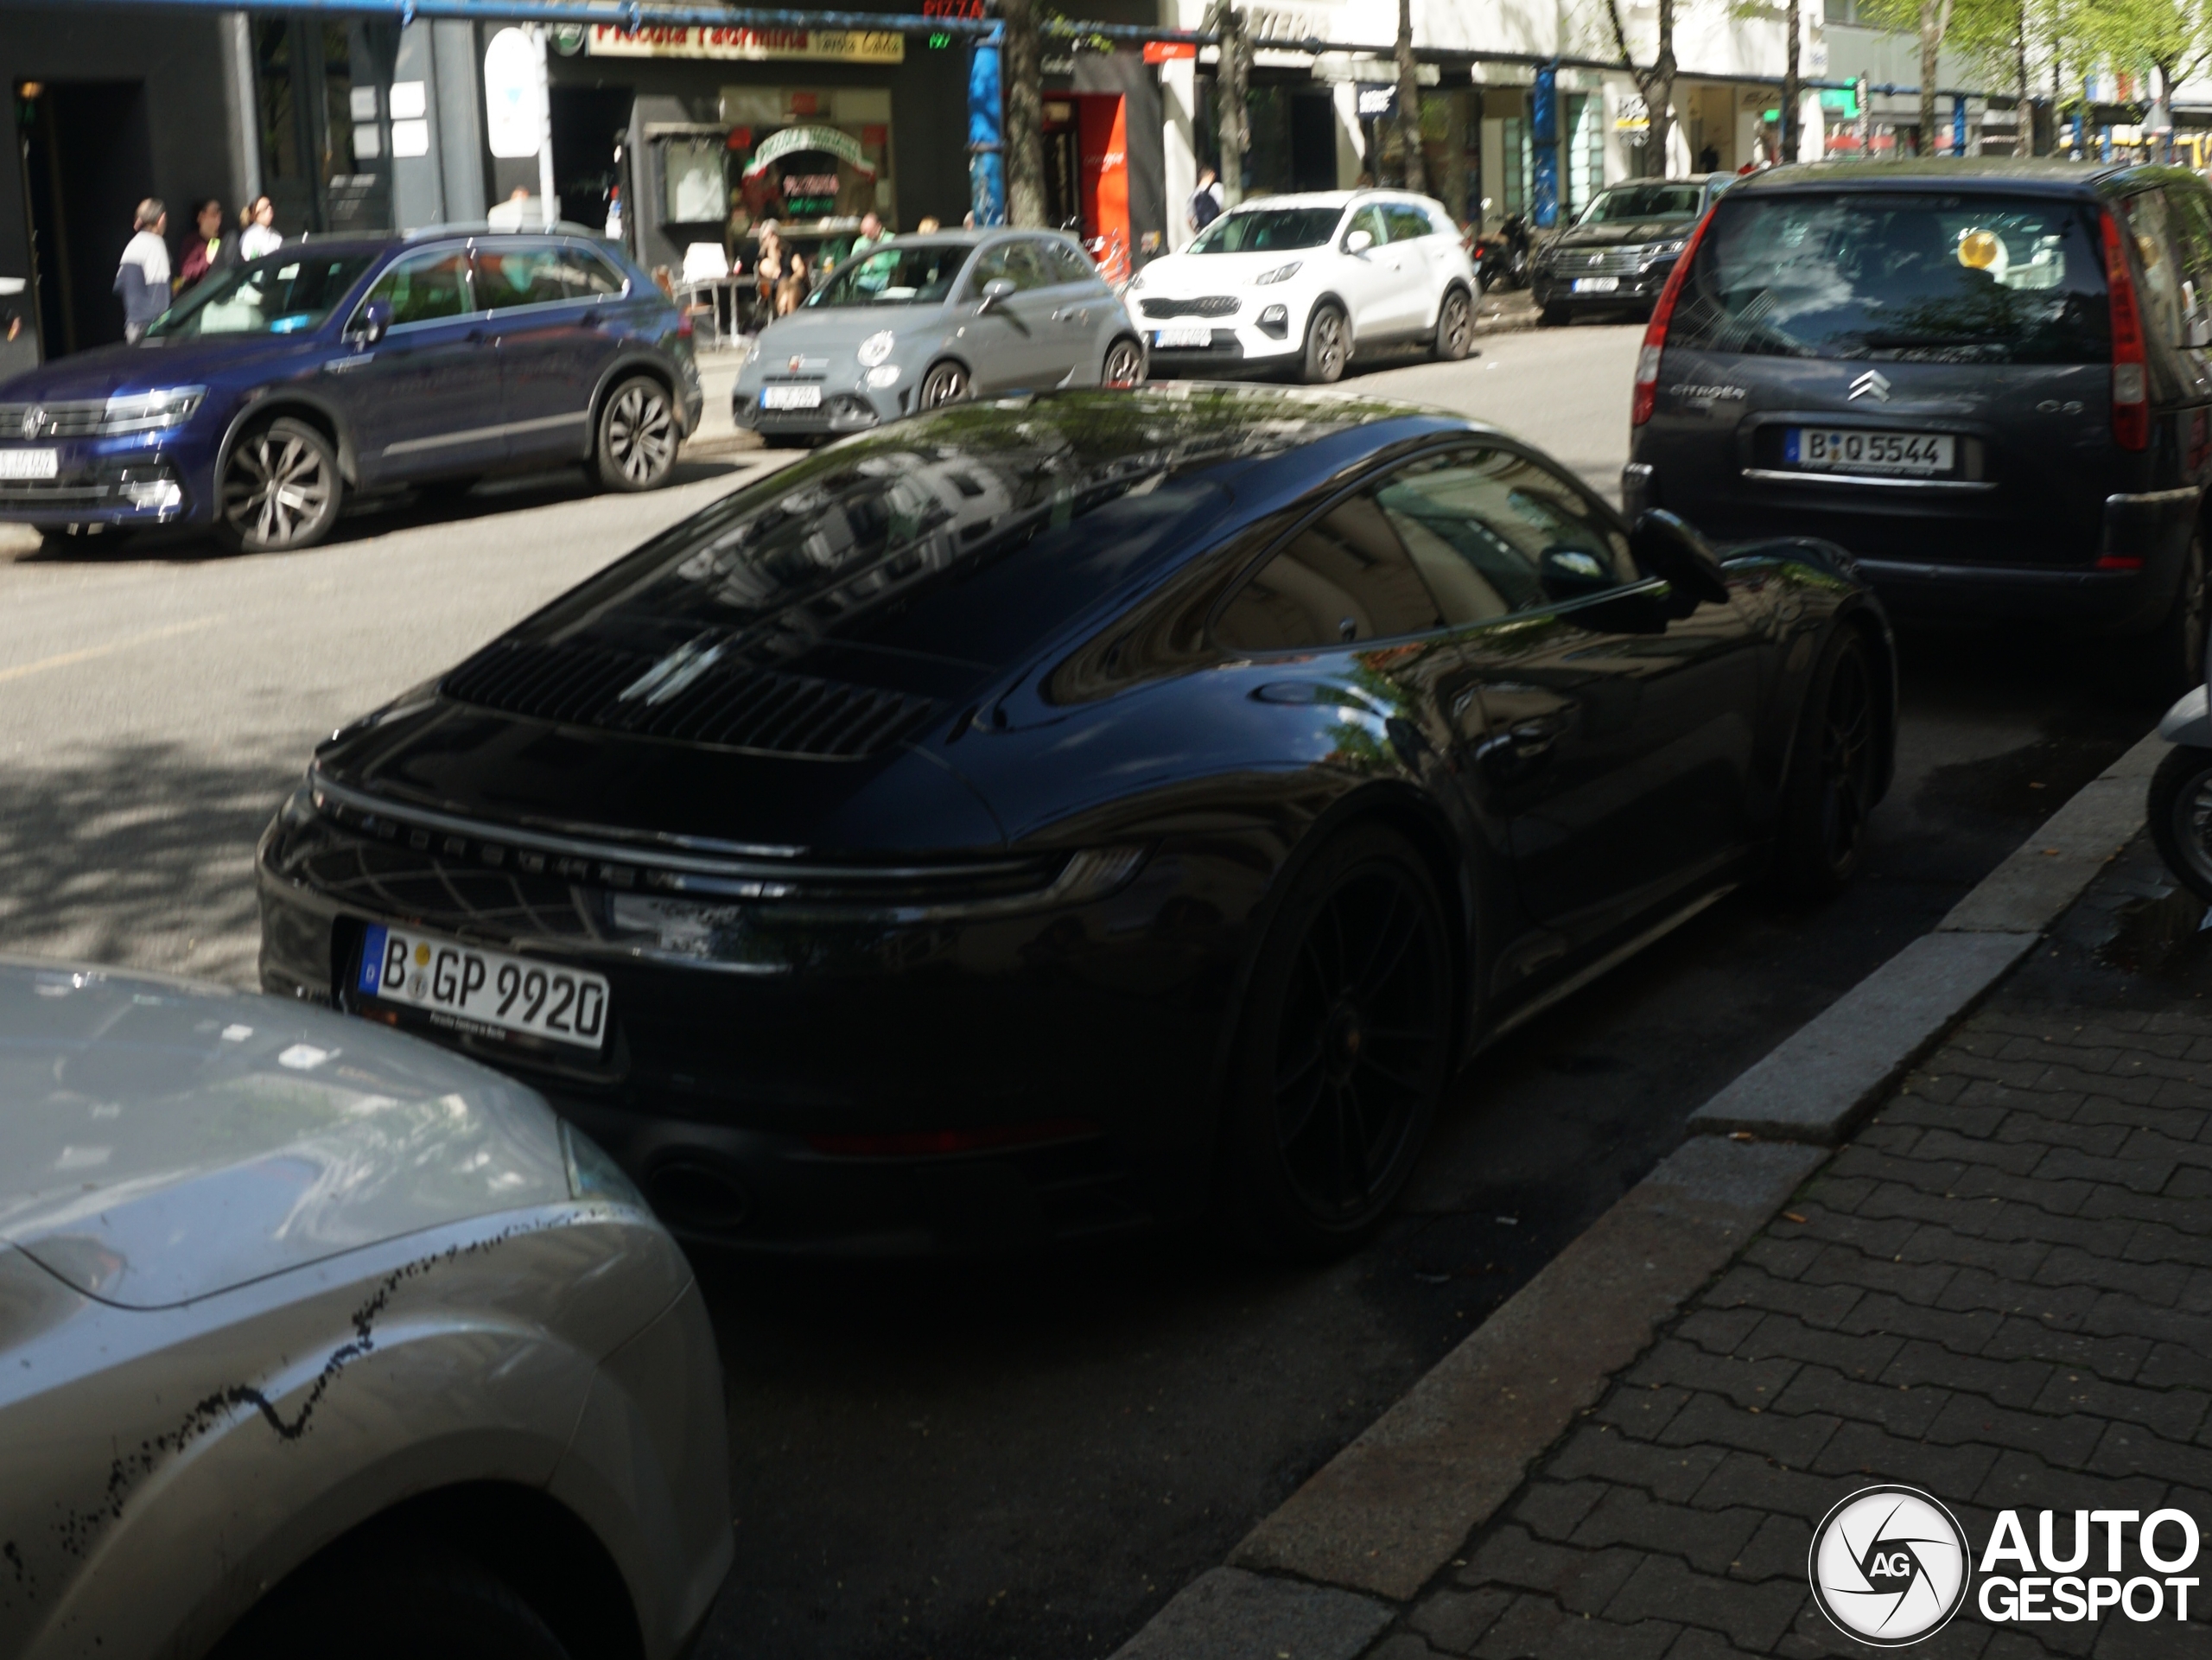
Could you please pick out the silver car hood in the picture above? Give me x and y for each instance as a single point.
(162, 1140)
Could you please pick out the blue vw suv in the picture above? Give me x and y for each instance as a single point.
(268, 392)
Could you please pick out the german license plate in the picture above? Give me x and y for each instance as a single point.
(487, 992)
(1907, 454)
(29, 463)
(790, 398)
(1597, 284)
(1185, 336)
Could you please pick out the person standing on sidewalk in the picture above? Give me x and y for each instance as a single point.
(1206, 200)
(142, 281)
(260, 236)
(210, 250)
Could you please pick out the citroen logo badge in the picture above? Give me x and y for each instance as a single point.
(1596, 259)
(34, 420)
(1874, 384)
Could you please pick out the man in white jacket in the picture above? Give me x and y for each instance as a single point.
(142, 279)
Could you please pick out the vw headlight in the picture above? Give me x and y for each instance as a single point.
(1280, 274)
(876, 347)
(150, 412)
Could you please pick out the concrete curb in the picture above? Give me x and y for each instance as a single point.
(1318, 1578)
(1828, 1075)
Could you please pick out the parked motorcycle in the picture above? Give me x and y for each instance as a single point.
(1501, 259)
(2180, 805)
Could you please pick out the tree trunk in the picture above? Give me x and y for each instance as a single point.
(1414, 164)
(1024, 137)
(2023, 116)
(1934, 18)
(1232, 75)
(1791, 91)
(1659, 92)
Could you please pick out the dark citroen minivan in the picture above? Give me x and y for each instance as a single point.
(1987, 379)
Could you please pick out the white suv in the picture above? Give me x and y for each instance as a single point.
(1306, 281)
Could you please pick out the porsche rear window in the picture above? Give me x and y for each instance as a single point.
(1899, 278)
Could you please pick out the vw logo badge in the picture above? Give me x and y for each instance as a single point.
(1889, 1566)
(34, 420)
(1874, 384)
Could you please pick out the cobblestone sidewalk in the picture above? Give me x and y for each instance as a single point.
(1999, 1292)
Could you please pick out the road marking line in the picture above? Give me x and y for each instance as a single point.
(66, 658)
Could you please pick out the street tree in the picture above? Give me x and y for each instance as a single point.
(1980, 29)
(1232, 110)
(1022, 66)
(2173, 36)
(1656, 83)
(1415, 164)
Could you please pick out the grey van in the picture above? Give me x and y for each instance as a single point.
(1986, 379)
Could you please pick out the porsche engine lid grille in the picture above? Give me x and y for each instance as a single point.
(733, 705)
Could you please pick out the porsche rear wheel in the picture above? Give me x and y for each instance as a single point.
(1344, 1050)
(368, 1604)
(1821, 839)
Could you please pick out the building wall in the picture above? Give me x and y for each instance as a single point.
(189, 110)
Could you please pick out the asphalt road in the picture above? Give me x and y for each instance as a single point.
(1020, 1458)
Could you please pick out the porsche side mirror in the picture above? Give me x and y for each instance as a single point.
(1667, 546)
(1358, 242)
(373, 323)
(996, 292)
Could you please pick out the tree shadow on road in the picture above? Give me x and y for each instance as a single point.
(139, 854)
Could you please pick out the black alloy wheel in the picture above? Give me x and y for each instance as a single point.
(2180, 810)
(1830, 794)
(366, 1602)
(1455, 327)
(1343, 1051)
(1328, 346)
(1124, 365)
(2174, 663)
(946, 383)
(637, 438)
(280, 489)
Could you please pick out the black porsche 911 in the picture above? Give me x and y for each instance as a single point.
(1049, 817)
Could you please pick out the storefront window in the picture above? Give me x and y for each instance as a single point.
(320, 89)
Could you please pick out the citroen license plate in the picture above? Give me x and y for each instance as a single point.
(489, 994)
(1889, 455)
